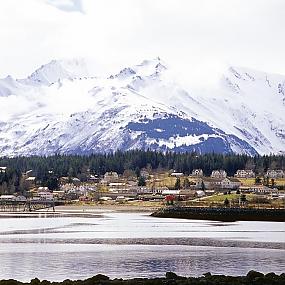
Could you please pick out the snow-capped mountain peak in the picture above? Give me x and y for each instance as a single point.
(57, 70)
(150, 67)
(61, 109)
(147, 68)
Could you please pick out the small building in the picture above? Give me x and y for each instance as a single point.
(28, 173)
(229, 183)
(21, 198)
(197, 172)
(278, 173)
(111, 176)
(58, 194)
(144, 174)
(209, 183)
(219, 174)
(177, 174)
(45, 195)
(117, 185)
(3, 169)
(159, 190)
(84, 199)
(8, 197)
(187, 193)
(244, 173)
(43, 189)
(30, 182)
(76, 181)
(258, 189)
(170, 192)
(144, 190)
(200, 193)
(93, 178)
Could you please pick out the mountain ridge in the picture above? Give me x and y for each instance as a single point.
(64, 109)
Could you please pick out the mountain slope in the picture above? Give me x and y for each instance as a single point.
(65, 110)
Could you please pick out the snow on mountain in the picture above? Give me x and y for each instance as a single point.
(64, 110)
(59, 69)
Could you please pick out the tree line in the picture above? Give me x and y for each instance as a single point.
(46, 169)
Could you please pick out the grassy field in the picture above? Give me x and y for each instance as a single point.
(161, 180)
(251, 181)
(221, 197)
(169, 181)
(252, 200)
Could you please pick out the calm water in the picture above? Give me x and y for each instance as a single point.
(80, 245)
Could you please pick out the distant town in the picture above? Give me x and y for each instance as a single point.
(156, 186)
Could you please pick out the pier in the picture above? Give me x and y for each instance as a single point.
(26, 206)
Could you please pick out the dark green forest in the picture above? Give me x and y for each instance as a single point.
(79, 166)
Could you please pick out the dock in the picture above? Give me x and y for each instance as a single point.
(29, 205)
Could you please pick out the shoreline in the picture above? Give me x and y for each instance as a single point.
(107, 207)
(251, 278)
(94, 208)
(222, 214)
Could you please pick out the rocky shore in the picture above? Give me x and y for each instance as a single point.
(222, 214)
(252, 278)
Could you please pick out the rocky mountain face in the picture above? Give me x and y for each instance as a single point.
(61, 108)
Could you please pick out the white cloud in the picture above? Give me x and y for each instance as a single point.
(191, 35)
(67, 5)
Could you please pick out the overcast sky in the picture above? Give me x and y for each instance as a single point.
(191, 35)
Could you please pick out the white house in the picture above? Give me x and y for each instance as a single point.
(170, 192)
(45, 195)
(278, 173)
(200, 193)
(8, 197)
(219, 174)
(111, 176)
(3, 169)
(219, 183)
(244, 173)
(176, 174)
(230, 183)
(144, 174)
(197, 172)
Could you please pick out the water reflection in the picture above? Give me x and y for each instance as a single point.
(135, 245)
(138, 261)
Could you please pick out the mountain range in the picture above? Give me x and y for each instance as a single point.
(62, 108)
